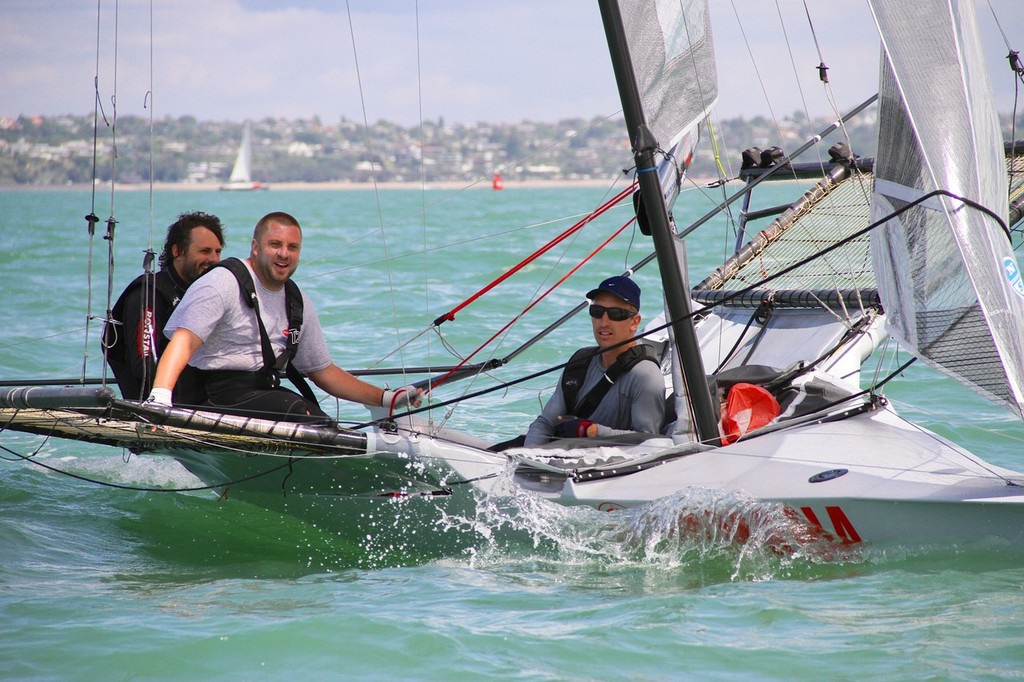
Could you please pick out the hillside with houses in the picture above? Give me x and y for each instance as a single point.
(60, 150)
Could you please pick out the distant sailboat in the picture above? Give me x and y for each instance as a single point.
(241, 173)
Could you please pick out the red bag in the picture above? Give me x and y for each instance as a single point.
(748, 407)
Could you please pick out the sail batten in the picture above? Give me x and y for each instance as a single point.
(946, 272)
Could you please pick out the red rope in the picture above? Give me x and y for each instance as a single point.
(450, 315)
(529, 307)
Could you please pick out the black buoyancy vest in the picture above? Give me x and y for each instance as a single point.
(165, 295)
(576, 371)
(272, 366)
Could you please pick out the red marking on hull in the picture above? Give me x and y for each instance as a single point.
(844, 530)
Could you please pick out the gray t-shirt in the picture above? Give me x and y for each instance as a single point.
(213, 309)
(635, 403)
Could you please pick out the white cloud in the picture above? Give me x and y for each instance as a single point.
(474, 60)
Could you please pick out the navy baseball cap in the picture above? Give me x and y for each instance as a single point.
(621, 286)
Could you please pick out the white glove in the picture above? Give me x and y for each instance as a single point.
(159, 396)
(401, 397)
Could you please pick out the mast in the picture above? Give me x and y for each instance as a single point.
(676, 297)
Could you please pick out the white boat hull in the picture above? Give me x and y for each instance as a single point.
(871, 478)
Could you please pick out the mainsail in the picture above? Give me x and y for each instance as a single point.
(663, 58)
(947, 275)
(673, 60)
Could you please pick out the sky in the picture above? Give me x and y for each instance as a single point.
(410, 60)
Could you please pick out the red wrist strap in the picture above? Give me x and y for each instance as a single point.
(394, 399)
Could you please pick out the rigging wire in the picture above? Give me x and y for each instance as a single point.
(741, 292)
(450, 315)
(537, 253)
(1013, 57)
(731, 219)
(757, 71)
(148, 290)
(537, 297)
(729, 223)
(112, 221)
(148, 100)
(92, 218)
(827, 87)
(822, 68)
(373, 173)
(828, 92)
(423, 183)
(145, 489)
(822, 71)
(535, 301)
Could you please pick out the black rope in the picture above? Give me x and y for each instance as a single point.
(763, 315)
(735, 346)
(121, 486)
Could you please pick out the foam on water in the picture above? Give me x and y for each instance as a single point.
(693, 529)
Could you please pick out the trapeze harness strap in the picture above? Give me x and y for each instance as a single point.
(272, 366)
(576, 370)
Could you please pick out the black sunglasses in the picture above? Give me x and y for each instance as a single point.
(614, 314)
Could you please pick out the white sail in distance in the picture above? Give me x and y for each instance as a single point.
(947, 275)
(241, 172)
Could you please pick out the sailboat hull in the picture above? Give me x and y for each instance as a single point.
(871, 478)
(400, 484)
(243, 187)
(389, 507)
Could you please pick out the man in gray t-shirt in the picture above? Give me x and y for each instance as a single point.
(215, 331)
(634, 403)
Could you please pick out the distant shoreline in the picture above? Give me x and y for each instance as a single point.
(332, 186)
(340, 185)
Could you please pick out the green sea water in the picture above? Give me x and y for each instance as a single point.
(104, 583)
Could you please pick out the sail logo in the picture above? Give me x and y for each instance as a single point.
(1013, 275)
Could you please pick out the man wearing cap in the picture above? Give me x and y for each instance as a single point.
(607, 390)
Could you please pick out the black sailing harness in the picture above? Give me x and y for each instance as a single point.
(272, 366)
(576, 370)
(164, 290)
(574, 374)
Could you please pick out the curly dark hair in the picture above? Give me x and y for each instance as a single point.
(180, 234)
